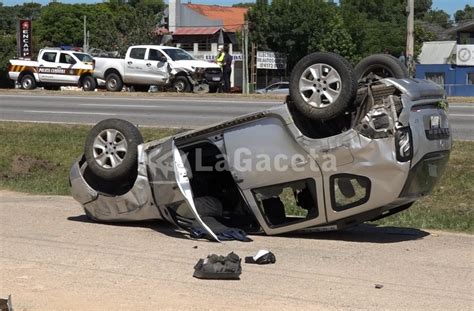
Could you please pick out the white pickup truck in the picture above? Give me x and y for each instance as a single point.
(54, 68)
(146, 65)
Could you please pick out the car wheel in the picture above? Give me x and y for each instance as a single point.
(111, 149)
(181, 84)
(28, 82)
(89, 84)
(380, 65)
(322, 85)
(113, 83)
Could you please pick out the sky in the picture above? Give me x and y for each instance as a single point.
(450, 6)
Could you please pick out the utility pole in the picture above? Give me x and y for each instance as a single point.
(410, 34)
(245, 86)
(85, 48)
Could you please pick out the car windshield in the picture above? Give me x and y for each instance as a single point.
(178, 54)
(83, 57)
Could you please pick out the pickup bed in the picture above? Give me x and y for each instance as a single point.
(146, 65)
(54, 68)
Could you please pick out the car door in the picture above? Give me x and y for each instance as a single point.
(169, 180)
(135, 66)
(157, 69)
(69, 67)
(281, 182)
(47, 67)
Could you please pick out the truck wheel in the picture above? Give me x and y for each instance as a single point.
(28, 82)
(181, 84)
(89, 84)
(322, 85)
(111, 149)
(382, 65)
(113, 83)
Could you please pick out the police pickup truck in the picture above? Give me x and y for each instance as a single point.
(54, 68)
(146, 65)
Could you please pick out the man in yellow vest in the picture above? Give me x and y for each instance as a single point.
(220, 56)
(220, 61)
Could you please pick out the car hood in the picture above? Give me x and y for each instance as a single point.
(189, 64)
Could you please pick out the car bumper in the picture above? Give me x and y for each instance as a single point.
(136, 204)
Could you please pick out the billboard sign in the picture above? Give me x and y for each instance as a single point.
(24, 39)
(271, 60)
(465, 55)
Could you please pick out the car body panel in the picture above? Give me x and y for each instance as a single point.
(385, 169)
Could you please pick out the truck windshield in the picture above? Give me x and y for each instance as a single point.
(178, 54)
(86, 58)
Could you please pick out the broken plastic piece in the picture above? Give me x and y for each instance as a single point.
(261, 258)
(218, 267)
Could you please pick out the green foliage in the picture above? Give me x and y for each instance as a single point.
(464, 15)
(438, 17)
(422, 35)
(337, 39)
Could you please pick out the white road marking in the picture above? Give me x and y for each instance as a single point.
(461, 115)
(210, 100)
(69, 112)
(118, 105)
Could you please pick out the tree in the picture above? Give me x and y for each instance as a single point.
(464, 15)
(243, 5)
(438, 17)
(337, 39)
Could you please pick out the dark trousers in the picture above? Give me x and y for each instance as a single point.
(226, 76)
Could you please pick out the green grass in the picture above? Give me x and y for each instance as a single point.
(36, 158)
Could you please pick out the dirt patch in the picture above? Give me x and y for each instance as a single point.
(24, 165)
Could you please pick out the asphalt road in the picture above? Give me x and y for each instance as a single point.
(53, 258)
(185, 112)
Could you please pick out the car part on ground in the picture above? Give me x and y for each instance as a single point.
(379, 66)
(278, 170)
(322, 85)
(111, 149)
(219, 267)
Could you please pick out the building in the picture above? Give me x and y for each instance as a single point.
(450, 63)
(200, 29)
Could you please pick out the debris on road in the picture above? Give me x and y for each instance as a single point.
(261, 258)
(378, 286)
(218, 267)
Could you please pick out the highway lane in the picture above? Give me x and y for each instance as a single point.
(185, 112)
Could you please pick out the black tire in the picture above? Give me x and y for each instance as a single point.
(89, 84)
(141, 88)
(118, 159)
(382, 65)
(181, 84)
(336, 76)
(28, 82)
(113, 82)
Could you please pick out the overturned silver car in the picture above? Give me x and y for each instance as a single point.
(347, 146)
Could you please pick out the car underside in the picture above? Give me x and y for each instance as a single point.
(284, 169)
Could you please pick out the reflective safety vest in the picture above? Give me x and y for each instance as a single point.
(220, 59)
